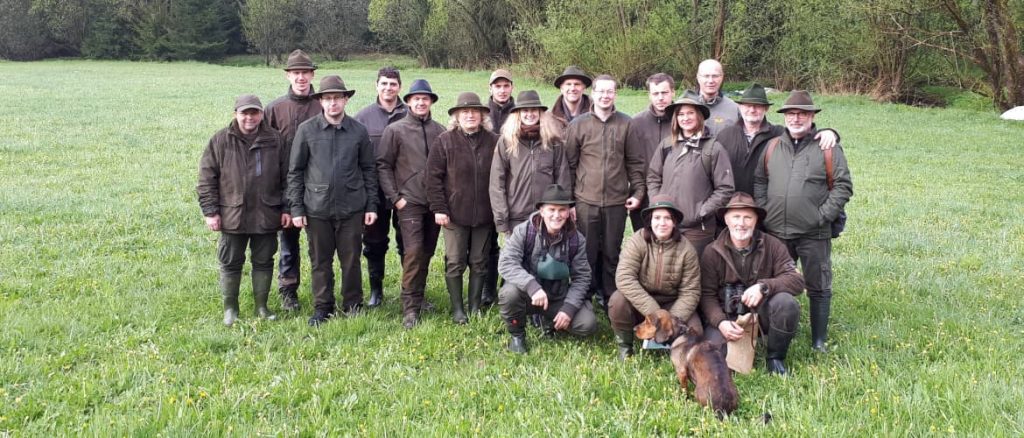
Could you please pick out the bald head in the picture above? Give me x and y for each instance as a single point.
(710, 77)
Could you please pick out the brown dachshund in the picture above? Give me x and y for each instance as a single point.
(695, 359)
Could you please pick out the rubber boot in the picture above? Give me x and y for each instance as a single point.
(376, 292)
(476, 286)
(229, 284)
(624, 339)
(517, 343)
(776, 346)
(455, 293)
(489, 295)
(261, 291)
(820, 307)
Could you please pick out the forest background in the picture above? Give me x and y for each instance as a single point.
(892, 50)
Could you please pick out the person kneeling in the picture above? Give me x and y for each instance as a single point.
(658, 269)
(749, 269)
(546, 272)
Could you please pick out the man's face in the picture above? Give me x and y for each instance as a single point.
(419, 104)
(555, 216)
(689, 119)
(662, 223)
(799, 122)
(387, 89)
(529, 116)
(501, 90)
(572, 90)
(333, 104)
(752, 113)
(741, 223)
(469, 119)
(300, 80)
(248, 120)
(710, 77)
(661, 96)
(604, 95)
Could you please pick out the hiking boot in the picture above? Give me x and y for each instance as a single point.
(289, 299)
(320, 317)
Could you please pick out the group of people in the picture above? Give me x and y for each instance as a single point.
(557, 182)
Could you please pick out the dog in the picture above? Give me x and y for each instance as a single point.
(696, 360)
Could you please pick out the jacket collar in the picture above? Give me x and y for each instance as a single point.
(293, 96)
(322, 123)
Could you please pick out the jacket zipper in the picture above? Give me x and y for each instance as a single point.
(657, 276)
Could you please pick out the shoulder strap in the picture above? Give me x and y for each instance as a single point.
(531, 237)
(829, 168)
(705, 159)
(772, 144)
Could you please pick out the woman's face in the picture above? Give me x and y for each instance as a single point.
(469, 119)
(530, 116)
(662, 223)
(688, 119)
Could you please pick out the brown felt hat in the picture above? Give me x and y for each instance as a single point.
(299, 60)
(333, 84)
(500, 74)
(691, 98)
(248, 101)
(659, 202)
(528, 99)
(742, 200)
(573, 72)
(468, 100)
(754, 95)
(557, 195)
(799, 100)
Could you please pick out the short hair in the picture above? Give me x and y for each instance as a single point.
(389, 72)
(658, 78)
(607, 77)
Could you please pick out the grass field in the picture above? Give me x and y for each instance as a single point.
(110, 313)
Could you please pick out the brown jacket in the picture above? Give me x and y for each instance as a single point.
(243, 182)
(558, 111)
(499, 113)
(518, 182)
(696, 190)
(287, 112)
(402, 158)
(458, 174)
(648, 269)
(771, 266)
(646, 131)
(605, 171)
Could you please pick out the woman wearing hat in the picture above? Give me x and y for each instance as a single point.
(528, 158)
(694, 169)
(458, 172)
(658, 269)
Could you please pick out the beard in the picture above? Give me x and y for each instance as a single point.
(741, 235)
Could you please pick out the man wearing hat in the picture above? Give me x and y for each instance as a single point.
(749, 267)
(501, 101)
(745, 140)
(658, 269)
(385, 110)
(803, 190)
(608, 181)
(546, 271)
(724, 112)
(285, 114)
(242, 168)
(649, 127)
(402, 164)
(572, 101)
(332, 190)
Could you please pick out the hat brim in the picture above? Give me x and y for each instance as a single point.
(754, 102)
(301, 67)
(347, 93)
(483, 108)
(704, 110)
(433, 97)
(566, 203)
(585, 79)
(810, 108)
(249, 106)
(645, 215)
(761, 213)
(518, 107)
(500, 78)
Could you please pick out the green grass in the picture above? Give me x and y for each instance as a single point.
(110, 314)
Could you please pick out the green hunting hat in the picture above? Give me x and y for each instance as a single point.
(557, 195)
(420, 86)
(573, 72)
(691, 98)
(248, 101)
(528, 99)
(659, 202)
(468, 100)
(754, 95)
(299, 60)
(742, 200)
(500, 74)
(333, 84)
(799, 100)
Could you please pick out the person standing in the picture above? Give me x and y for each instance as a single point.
(241, 182)
(724, 112)
(649, 127)
(285, 114)
(387, 109)
(572, 100)
(803, 190)
(402, 163)
(332, 189)
(458, 173)
(501, 105)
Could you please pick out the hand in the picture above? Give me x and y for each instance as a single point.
(369, 218)
(441, 219)
(826, 139)
(753, 296)
(562, 321)
(299, 221)
(540, 299)
(286, 220)
(213, 222)
(632, 203)
(400, 204)
(730, 331)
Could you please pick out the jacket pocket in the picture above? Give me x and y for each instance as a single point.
(317, 198)
(231, 216)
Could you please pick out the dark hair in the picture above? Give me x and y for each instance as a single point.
(677, 130)
(658, 78)
(648, 234)
(607, 77)
(389, 72)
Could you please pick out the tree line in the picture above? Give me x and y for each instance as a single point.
(887, 49)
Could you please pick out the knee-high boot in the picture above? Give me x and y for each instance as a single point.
(455, 294)
(261, 291)
(820, 308)
(229, 284)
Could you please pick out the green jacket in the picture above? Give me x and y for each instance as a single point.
(331, 173)
(792, 188)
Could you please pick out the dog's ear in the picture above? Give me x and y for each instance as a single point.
(644, 330)
(665, 329)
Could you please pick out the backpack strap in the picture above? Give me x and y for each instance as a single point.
(772, 144)
(531, 237)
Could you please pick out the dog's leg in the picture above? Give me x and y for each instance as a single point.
(678, 361)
